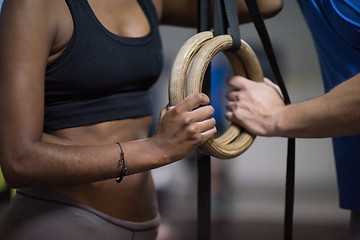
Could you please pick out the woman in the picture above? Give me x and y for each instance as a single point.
(75, 112)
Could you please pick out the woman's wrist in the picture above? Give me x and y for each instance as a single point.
(144, 155)
(159, 151)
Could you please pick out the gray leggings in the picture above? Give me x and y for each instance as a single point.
(36, 213)
(354, 226)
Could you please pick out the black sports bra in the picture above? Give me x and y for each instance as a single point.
(101, 76)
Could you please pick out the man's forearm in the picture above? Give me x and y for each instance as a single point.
(334, 114)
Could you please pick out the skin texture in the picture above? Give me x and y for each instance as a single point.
(258, 108)
(82, 162)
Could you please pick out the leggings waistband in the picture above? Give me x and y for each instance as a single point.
(55, 198)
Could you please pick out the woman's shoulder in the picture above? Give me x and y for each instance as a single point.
(32, 17)
(31, 11)
(31, 27)
(29, 7)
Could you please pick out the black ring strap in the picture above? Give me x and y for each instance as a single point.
(290, 165)
(225, 16)
(204, 161)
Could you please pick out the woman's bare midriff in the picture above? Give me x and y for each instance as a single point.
(134, 199)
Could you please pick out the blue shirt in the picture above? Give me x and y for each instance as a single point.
(335, 27)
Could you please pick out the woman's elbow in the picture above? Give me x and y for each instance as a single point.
(15, 170)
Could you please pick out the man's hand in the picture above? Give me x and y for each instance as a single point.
(255, 106)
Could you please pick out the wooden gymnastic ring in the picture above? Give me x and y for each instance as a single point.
(181, 64)
(244, 62)
(235, 140)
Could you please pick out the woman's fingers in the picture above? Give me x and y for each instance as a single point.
(192, 102)
(202, 113)
(206, 125)
(208, 134)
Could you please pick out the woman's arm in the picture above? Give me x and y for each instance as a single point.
(184, 12)
(28, 30)
(259, 109)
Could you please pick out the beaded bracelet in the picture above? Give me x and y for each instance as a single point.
(121, 162)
